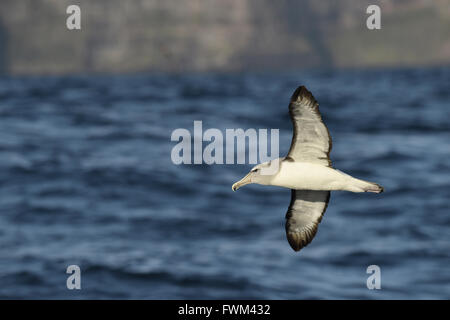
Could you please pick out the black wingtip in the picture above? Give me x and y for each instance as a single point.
(301, 93)
(297, 241)
(294, 244)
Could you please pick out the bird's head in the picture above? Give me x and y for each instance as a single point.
(259, 174)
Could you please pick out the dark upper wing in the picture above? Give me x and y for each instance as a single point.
(304, 215)
(311, 141)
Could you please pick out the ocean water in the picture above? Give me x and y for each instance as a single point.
(86, 179)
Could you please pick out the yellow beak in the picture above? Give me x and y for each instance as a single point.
(245, 180)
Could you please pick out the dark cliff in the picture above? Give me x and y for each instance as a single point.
(219, 35)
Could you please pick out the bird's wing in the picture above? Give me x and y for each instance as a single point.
(304, 215)
(311, 141)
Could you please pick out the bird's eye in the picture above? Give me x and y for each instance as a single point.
(255, 170)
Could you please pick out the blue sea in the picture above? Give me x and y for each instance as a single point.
(86, 179)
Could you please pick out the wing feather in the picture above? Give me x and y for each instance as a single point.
(304, 215)
(311, 140)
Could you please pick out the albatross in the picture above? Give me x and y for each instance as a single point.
(307, 171)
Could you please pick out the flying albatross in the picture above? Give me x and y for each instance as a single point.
(307, 171)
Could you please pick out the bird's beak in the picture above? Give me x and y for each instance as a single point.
(245, 180)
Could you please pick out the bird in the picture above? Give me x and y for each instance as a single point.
(306, 170)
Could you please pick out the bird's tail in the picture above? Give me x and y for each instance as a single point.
(366, 186)
(358, 185)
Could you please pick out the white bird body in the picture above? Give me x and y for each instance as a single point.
(312, 176)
